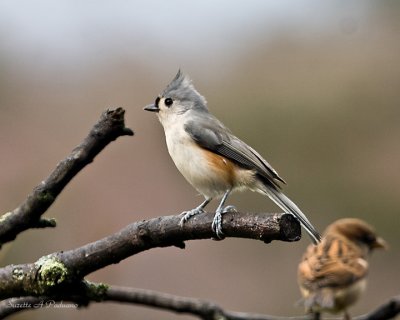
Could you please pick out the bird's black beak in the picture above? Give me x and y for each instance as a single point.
(380, 244)
(152, 107)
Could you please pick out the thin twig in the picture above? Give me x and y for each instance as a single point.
(28, 215)
(203, 309)
(209, 310)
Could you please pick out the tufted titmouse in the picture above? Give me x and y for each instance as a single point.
(211, 158)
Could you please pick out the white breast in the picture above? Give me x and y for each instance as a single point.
(192, 162)
(189, 159)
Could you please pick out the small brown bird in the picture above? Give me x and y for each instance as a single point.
(332, 274)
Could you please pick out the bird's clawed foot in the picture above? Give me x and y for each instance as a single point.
(186, 215)
(217, 222)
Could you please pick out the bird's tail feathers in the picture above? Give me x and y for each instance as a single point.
(288, 206)
(317, 301)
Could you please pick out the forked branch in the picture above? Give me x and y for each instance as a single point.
(29, 214)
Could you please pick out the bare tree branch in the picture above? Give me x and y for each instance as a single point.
(389, 310)
(208, 310)
(197, 307)
(60, 276)
(56, 271)
(28, 215)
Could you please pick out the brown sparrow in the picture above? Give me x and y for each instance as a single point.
(332, 274)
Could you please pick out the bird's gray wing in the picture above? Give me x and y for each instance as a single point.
(211, 134)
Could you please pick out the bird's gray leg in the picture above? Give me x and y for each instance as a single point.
(217, 222)
(316, 316)
(188, 214)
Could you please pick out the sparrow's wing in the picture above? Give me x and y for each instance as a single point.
(211, 134)
(335, 264)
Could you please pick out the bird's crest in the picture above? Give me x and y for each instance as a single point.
(182, 89)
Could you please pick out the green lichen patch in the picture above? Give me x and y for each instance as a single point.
(96, 291)
(51, 273)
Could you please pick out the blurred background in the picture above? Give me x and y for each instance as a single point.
(312, 85)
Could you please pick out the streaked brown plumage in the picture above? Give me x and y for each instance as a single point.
(332, 274)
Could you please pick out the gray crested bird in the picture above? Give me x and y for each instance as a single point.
(213, 160)
(332, 275)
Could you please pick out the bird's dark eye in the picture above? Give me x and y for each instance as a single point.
(168, 102)
(369, 238)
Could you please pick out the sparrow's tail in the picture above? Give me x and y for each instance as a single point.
(288, 206)
(322, 299)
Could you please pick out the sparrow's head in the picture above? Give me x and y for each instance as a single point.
(177, 98)
(357, 231)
